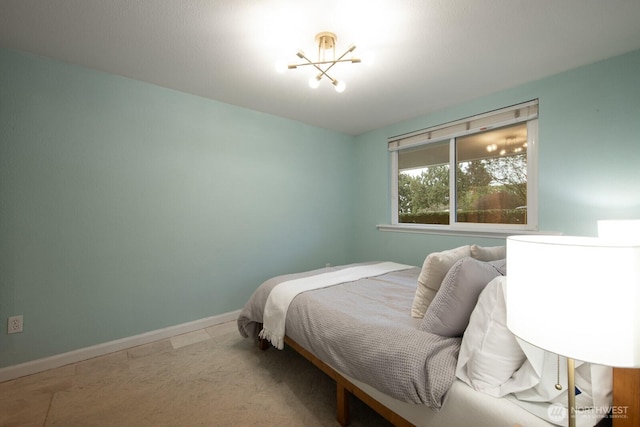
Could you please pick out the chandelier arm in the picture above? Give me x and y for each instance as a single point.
(301, 54)
(335, 61)
(315, 64)
(325, 62)
(324, 73)
(309, 62)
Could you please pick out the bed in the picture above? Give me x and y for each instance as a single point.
(385, 333)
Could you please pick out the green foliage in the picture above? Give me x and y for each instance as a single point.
(426, 192)
(488, 191)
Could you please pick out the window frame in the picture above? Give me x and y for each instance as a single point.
(424, 137)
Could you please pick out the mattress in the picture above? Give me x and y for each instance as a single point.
(366, 308)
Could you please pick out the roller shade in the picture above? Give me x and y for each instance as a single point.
(505, 116)
(423, 156)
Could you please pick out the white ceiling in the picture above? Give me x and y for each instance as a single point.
(429, 54)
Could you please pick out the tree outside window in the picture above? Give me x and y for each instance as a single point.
(490, 179)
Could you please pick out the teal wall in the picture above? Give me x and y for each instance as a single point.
(126, 207)
(589, 158)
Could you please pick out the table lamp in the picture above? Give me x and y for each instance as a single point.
(578, 297)
(629, 378)
(619, 229)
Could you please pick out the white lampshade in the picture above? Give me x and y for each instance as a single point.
(576, 296)
(626, 229)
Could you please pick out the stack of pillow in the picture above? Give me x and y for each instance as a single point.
(461, 292)
(450, 283)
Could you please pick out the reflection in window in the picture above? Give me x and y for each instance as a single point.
(491, 176)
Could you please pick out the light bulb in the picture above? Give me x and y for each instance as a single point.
(281, 66)
(340, 86)
(367, 57)
(314, 82)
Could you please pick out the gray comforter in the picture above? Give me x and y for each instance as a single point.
(364, 329)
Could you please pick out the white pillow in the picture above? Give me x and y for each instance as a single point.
(489, 353)
(492, 360)
(434, 269)
(488, 253)
(533, 386)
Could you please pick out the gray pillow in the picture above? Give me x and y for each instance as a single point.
(448, 315)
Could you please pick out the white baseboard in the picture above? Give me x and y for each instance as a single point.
(39, 365)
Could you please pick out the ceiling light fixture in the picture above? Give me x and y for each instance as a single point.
(326, 41)
(509, 146)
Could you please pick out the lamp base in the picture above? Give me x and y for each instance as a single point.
(571, 392)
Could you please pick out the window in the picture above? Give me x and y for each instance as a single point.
(476, 174)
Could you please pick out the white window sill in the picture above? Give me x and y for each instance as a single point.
(458, 231)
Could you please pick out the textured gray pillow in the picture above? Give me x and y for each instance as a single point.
(434, 269)
(448, 315)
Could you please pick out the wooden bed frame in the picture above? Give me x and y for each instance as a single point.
(344, 388)
(626, 393)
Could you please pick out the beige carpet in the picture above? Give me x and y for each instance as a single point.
(211, 377)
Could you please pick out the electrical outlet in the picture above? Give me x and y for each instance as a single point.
(14, 325)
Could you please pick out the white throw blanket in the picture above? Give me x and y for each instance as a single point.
(275, 309)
